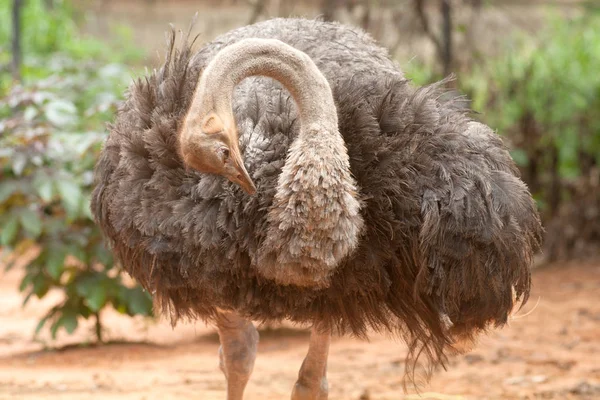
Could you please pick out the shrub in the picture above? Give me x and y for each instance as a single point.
(545, 96)
(51, 130)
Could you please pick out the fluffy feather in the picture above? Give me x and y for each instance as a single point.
(449, 228)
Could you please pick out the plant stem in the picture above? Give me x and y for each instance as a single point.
(16, 39)
(98, 328)
(446, 9)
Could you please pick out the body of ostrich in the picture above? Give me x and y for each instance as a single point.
(288, 170)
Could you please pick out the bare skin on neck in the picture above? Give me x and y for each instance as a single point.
(209, 137)
(271, 58)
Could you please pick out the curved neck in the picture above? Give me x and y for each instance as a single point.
(274, 59)
(314, 221)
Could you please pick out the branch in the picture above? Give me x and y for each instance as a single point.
(328, 9)
(420, 10)
(16, 39)
(258, 8)
(446, 10)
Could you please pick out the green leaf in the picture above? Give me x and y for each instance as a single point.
(40, 325)
(30, 113)
(41, 285)
(9, 230)
(26, 299)
(54, 329)
(85, 312)
(96, 298)
(56, 261)
(139, 302)
(77, 252)
(26, 281)
(85, 285)
(94, 289)
(44, 188)
(86, 210)
(71, 196)
(103, 255)
(67, 320)
(19, 162)
(520, 157)
(61, 113)
(56, 226)
(31, 222)
(7, 189)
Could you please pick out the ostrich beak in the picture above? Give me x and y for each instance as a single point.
(241, 176)
(222, 130)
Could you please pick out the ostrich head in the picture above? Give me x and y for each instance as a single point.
(208, 139)
(209, 143)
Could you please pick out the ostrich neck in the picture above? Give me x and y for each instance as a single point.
(274, 59)
(314, 220)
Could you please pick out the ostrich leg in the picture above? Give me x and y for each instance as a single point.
(312, 378)
(239, 340)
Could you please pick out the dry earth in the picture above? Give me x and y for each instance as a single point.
(552, 352)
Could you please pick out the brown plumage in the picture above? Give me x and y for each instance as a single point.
(448, 229)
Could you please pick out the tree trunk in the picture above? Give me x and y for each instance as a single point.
(328, 9)
(257, 10)
(555, 184)
(98, 328)
(443, 41)
(16, 39)
(446, 9)
(285, 8)
(530, 144)
(470, 35)
(366, 17)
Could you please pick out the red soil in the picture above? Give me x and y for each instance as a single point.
(552, 352)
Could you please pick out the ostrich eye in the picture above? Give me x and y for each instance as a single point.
(224, 154)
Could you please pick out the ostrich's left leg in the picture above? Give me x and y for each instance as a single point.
(312, 378)
(239, 341)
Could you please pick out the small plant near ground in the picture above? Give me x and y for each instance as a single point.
(51, 131)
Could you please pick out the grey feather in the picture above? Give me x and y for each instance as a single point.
(449, 228)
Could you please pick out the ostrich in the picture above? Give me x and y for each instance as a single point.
(288, 170)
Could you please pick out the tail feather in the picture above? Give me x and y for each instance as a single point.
(479, 231)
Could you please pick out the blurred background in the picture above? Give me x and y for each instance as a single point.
(73, 326)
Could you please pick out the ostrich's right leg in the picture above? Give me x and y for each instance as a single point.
(239, 340)
(312, 378)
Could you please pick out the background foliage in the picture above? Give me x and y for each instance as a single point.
(51, 130)
(542, 92)
(545, 96)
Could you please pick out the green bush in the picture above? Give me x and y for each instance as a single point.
(544, 95)
(51, 130)
(47, 31)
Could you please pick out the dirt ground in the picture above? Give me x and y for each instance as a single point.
(552, 352)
